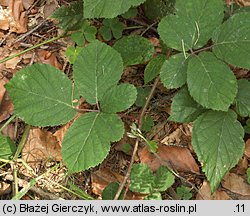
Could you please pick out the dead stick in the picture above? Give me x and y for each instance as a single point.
(137, 140)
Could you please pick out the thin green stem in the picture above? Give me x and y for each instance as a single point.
(31, 48)
(133, 27)
(22, 142)
(7, 122)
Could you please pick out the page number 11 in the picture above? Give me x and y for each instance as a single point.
(240, 208)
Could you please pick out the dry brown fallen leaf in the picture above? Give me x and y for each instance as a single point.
(14, 18)
(103, 177)
(41, 146)
(3, 81)
(59, 134)
(177, 158)
(6, 108)
(5, 188)
(9, 131)
(247, 148)
(206, 194)
(47, 57)
(236, 184)
(244, 3)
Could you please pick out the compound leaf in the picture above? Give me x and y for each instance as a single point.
(111, 27)
(184, 108)
(174, 71)
(70, 18)
(7, 148)
(232, 40)
(87, 142)
(134, 49)
(108, 8)
(153, 68)
(217, 139)
(211, 82)
(119, 98)
(189, 27)
(96, 69)
(242, 100)
(42, 95)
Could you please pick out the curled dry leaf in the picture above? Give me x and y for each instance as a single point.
(5, 188)
(236, 184)
(12, 63)
(3, 81)
(244, 3)
(14, 17)
(206, 194)
(41, 146)
(9, 131)
(177, 158)
(47, 57)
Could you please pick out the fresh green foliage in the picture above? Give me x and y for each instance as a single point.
(184, 192)
(7, 148)
(210, 90)
(232, 40)
(85, 33)
(109, 192)
(242, 99)
(108, 8)
(118, 98)
(87, 142)
(97, 68)
(147, 123)
(70, 18)
(132, 12)
(218, 142)
(190, 27)
(157, 9)
(42, 95)
(174, 71)
(72, 52)
(247, 127)
(184, 108)
(134, 49)
(110, 28)
(153, 68)
(144, 181)
(248, 175)
(142, 93)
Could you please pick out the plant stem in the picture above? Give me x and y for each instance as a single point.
(31, 48)
(7, 122)
(22, 142)
(125, 179)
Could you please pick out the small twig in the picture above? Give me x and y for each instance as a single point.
(86, 110)
(29, 32)
(149, 27)
(143, 24)
(126, 177)
(203, 49)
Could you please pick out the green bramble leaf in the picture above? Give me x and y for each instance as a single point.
(7, 148)
(153, 68)
(247, 127)
(232, 40)
(87, 141)
(131, 13)
(110, 28)
(118, 98)
(108, 8)
(211, 82)
(217, 139)
(142, 94)
(134, 49)
(147, 123)
(164, 179)
(190, 28)
(96, 69)
(174, 71)
(70, 18)
(184, 108)
(42, 95)
(242, 99)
